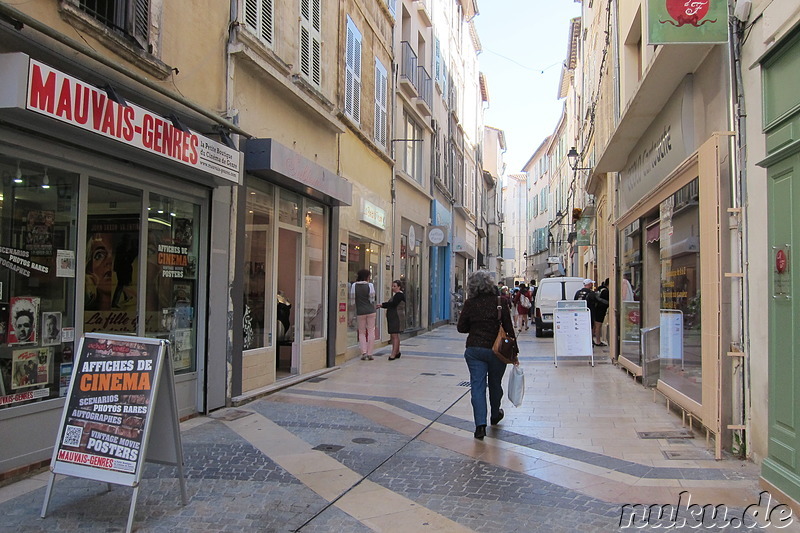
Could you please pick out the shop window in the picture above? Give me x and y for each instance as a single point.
(173, 243)
(259, 244)
(290, 208)
(630, 283)
(680, 350)
(411, 276)
(314, 272)
(38, 242)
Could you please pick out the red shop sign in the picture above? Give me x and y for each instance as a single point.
(781, 262)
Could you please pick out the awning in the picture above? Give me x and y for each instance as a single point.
(268, 159)
(653, 232)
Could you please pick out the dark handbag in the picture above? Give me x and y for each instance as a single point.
(504, 347)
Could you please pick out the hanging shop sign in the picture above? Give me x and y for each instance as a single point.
(679, 21)
(54, 94)
(437, 235)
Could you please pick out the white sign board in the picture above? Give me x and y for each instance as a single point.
(572, 332)
(671, 334)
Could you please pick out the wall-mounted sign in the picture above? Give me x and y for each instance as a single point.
(782, 281)
(373, 215)
(679, 21)
(437, 236)
(412, 237)
(72, 101)
(343, 252)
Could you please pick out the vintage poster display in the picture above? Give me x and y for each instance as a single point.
(109, 402)
(23, 320)
(30, 367)
(51, 329)
(112, 266)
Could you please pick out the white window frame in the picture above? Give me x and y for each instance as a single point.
(311, 41)
(259, 17)
(352, 76)
(381, 102)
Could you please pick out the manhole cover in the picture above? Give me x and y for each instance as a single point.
(230, 414)
(364, 440)
(328, 448)
(316, 380)
(464, 384)
(695, 454)
(679, 434)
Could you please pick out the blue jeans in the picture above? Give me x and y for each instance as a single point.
(482, 362)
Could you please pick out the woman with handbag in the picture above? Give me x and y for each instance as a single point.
(479, 318)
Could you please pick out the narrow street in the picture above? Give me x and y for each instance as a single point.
(388, 446)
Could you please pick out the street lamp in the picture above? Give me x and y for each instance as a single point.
(573, 156)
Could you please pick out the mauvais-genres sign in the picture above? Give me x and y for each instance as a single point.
(109, 404)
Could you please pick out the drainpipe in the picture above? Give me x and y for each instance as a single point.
(738, 236)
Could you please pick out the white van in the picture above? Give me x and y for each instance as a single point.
(549, 292)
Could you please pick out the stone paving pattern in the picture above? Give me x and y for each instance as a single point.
(234, 486)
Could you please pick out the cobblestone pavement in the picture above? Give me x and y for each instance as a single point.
(388, 446)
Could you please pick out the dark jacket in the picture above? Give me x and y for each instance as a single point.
(589, 295)
(395, 313)
(479, 319)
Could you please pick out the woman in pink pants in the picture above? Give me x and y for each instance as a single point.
(362, 294)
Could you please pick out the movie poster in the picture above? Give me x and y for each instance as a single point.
(51, 329)
(3, 322)
(30, 367)
(39, 233)
(23, 320)
(109, 404)
(111, 269)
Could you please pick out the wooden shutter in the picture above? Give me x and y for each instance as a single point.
(259, 16)
(311, 40)
(352, 97)
(381, 89)
(139, 22)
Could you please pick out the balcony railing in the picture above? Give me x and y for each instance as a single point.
(408, 65)
(425, 86)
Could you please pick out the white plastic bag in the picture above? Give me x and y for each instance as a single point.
(516, 385)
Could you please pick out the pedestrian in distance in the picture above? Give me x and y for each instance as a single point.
(479, 320)
(588, 294)
(532, 288)
(522, 299)
(395, 317)
(362, 295)
(599, 314)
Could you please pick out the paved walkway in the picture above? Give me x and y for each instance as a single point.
(388, 446)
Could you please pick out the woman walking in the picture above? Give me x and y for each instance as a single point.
(395, 317)
(362, 295)
(479, 319)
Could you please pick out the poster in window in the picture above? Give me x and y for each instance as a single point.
(3, 322)
(51, 329)
(23, 320)
(111, 270)
(39, 232)
(30, 367)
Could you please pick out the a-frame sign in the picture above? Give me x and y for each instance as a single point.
(121, 411)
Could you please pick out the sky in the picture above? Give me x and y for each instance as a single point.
(524, 45)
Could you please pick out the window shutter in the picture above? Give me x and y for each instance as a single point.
(352, 98)
(311, 40)
(259, 16)
(437, 62)
(381, 82)
(141, 23)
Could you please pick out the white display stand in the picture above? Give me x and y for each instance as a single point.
(572, 331)
(119, 384)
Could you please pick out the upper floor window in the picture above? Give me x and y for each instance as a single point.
(131, 17)
(259, 16)
(381, 97)
(411, 152)
(352, 75)
(311, 41)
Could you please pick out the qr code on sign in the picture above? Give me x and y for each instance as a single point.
(72, 436)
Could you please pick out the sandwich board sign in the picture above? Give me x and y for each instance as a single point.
(572, 331)
(121, 411)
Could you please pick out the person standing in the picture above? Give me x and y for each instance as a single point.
(522, 298)
(395, 316)
(599, 313)
(587, 293)
(479, 320)
(362, 295)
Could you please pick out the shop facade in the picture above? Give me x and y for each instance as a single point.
(672, 255)
(105, 227)
(289, 209)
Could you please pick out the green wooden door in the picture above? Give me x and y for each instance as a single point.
(782, 466)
